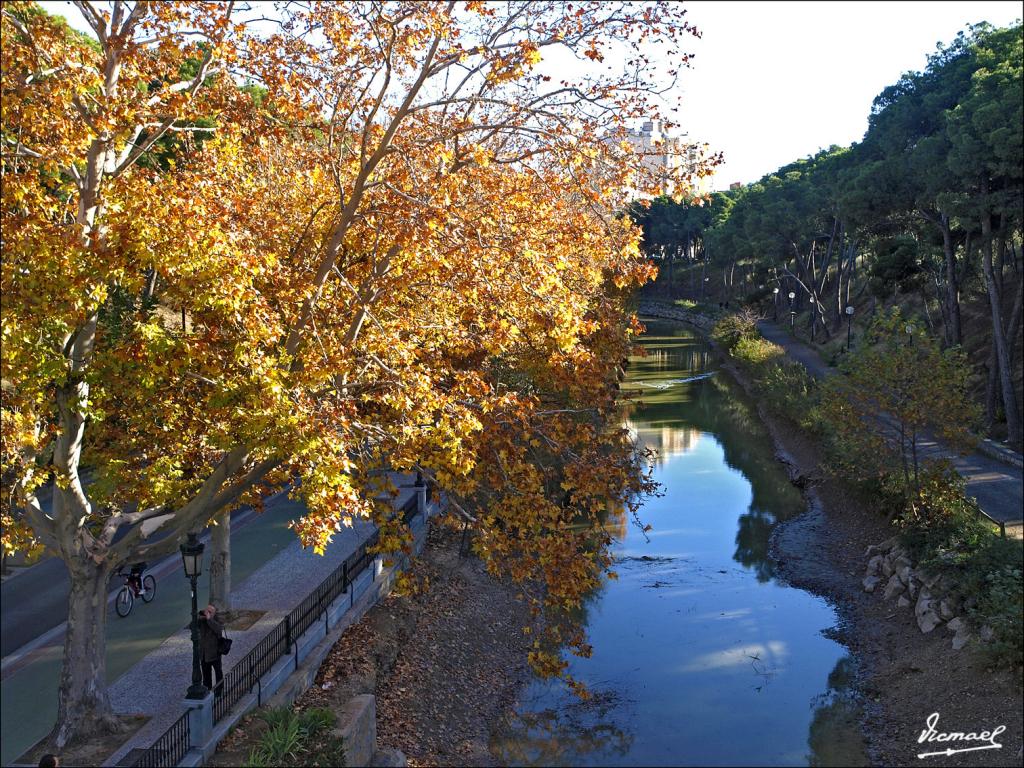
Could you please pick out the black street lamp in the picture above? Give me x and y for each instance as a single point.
(775, 291)
(849, 325)
(910, 333)
(792, 312)
(192, 557)
(813, 318)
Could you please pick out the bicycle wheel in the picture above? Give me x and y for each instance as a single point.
(149, 585)
(124, 602)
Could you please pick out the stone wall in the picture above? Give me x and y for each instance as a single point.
(357, 728)
(670, 311)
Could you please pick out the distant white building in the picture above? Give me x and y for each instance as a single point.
(670, 158)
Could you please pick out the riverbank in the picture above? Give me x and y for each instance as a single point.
(445, 663)
(903, 676)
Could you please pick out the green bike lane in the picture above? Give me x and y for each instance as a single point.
(28, 696)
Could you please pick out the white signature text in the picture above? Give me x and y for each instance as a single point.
(931, 734)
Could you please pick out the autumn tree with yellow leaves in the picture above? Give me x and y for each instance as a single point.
(404, 255)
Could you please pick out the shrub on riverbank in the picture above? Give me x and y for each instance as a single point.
(752, 353)
(789, 390)
(985, 574)
(295, 738)
(728, 331)
(783, 385)
(1000, 591)
(943, 532)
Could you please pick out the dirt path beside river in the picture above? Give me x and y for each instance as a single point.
(903, 675)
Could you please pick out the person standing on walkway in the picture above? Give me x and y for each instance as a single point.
(210, 633)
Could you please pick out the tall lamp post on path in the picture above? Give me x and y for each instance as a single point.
(192, 558)
(792, 312)
(813, 318)
(775, 291)
(910, 333)
(849, 325)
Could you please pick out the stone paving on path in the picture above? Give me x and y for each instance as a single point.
(156, 685)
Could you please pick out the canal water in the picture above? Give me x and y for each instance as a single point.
(701, 656)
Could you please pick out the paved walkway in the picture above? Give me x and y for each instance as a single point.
(998, 487)
(156, 685)
(281, 576)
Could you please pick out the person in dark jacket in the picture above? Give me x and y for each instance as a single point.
(210, 633)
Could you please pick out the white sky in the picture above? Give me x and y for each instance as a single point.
(773, 82)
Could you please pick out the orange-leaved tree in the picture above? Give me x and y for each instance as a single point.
(406, 258)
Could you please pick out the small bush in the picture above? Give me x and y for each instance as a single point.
(297, 738)
(939, 509)
(754, 352)
(728, 331)
(987, 574)
(1000, 605)
(788, 389)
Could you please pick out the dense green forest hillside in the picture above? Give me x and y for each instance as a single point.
(925, 213)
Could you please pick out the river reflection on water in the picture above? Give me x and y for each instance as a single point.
(700, 656)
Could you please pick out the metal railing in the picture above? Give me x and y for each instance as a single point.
(271, 648)
(1000, 524)
(236, 683)
(169, 749)
(247, 674)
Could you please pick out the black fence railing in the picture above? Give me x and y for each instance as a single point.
(247, 673)
(1000, 524)
(305, 613)
(359, 561)
(169, 749)
(236, 683)
(410, 509)
(269, 650)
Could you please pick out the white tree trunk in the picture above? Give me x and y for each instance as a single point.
(83, 703)
(220, 563)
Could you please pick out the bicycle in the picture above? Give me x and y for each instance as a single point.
(135, 585)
